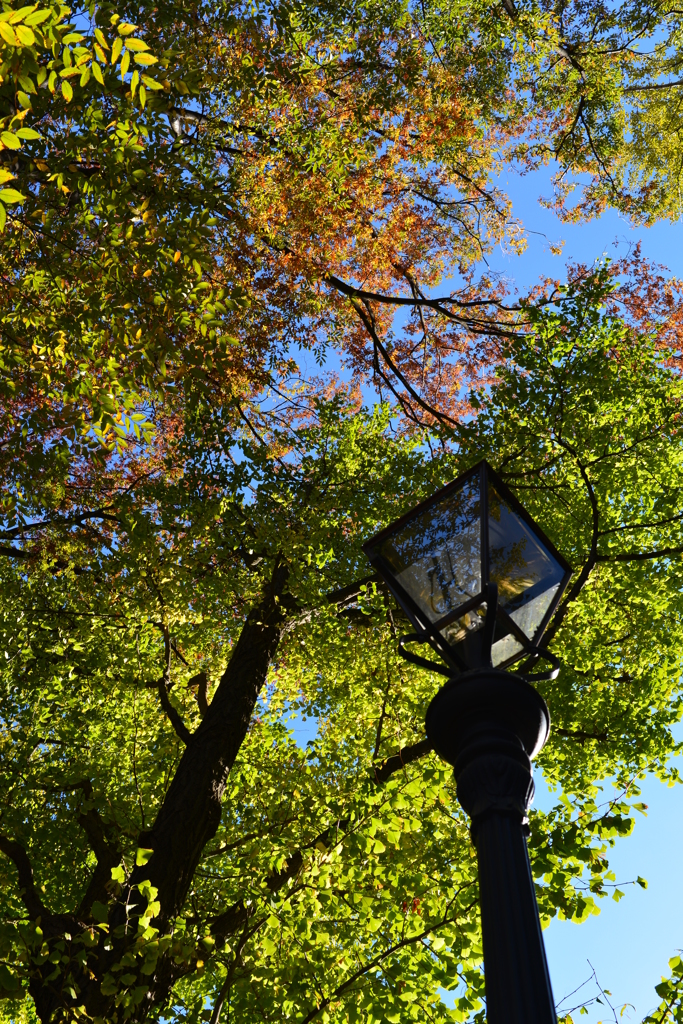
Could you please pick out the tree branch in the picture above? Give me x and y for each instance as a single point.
(368, 321)
(578, 734)
(201, 682)
(163, 686)
(225, 987)
(29, 894)
(397, 761)
(592, 558)
(11, 552)
(640, 556)
(373, 963)
(191, 809)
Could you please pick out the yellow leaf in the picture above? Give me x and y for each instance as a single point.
(99, 36)
(3, 217)
(97, 72)
(5, 176)
(100, 53)
(145, 59)
(136, 44)
(11, 195)
(8, 34)
(25, 35)
(9, 140)
(19, 15)
(67, 91)
(116, 50)
(176, 256)
(37, 17)
(125, 62)
(125, 28)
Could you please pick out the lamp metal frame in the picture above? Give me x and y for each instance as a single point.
(429, 632)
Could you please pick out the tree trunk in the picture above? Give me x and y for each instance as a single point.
(188, 817)
(191, 811)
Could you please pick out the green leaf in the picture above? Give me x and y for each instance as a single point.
(11, 195)
(67, 91)
(99, 911)
(143, 855)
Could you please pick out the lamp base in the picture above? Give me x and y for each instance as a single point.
(489, 724)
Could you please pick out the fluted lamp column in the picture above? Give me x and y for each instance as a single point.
(479, 581)
(489, 725)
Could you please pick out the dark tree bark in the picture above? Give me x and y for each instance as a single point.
(191, 811)
(187, 820)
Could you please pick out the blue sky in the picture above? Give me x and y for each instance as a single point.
(630, 942)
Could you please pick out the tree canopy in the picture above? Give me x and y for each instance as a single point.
(200, 200)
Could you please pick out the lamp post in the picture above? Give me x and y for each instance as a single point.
(479, 581)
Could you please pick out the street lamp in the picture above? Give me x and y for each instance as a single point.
(480, 581)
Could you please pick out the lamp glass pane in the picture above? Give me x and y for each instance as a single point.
(528, 576)
(504, 649)
(436, 557)
(460, 634)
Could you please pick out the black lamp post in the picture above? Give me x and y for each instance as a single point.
(480, 581)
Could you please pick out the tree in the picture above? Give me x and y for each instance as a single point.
(150, 661)
(183, 516)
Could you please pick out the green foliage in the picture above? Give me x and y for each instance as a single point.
(324, 895)
(189, 192)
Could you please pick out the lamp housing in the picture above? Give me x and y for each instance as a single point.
(475, 575)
